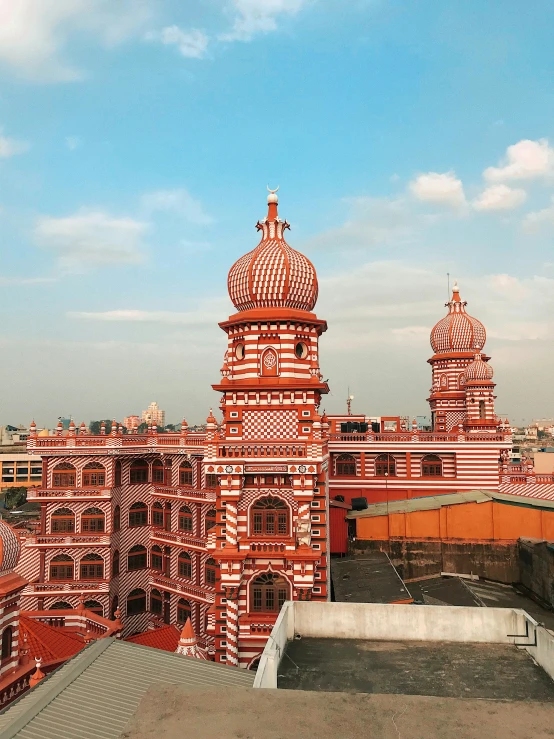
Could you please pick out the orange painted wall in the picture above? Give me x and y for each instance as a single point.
(490, 521)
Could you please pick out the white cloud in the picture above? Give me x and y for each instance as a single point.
(500, 197)
(525, 160)
(539, 218)
(259, 16)
(10, 147)
(178, 201)
(439, 188)
(192, 44)
(34, 33)
(26, 280)
(73, 142)
(90, 239)
(141, 316)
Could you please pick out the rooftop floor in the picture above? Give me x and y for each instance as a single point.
(443, 669)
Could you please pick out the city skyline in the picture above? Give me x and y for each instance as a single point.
(133, 167)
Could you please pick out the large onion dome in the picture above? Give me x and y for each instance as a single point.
(9, 548)
(478, 370)
(458, 331)
(273, 275)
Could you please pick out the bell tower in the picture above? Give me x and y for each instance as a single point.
(271, 454)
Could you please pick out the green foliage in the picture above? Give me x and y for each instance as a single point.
(15, 497)
(95, 426)
(143, 428)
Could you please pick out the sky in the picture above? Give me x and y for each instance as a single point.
(411, 140)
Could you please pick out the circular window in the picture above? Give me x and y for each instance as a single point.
(239, 351)
(301, 350)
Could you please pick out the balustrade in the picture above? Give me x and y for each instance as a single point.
(269, 449)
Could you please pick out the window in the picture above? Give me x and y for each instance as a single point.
(431, 466)
(210, 571)
(138, 472)
(61, 567)
(116, 518)
(210, 519)
(185, 519)
(156, 602)
(183, 610)
(95, 607)
(268, 592)
(156, 559)
(185, 565)
(115, 563)
(482, 413)
(92, 520)
(138, 515)
(117, 475)
(211, 481)
(270, 517)
(239, 351)
(157, 515)
(385, 466)
(92, 567)
(137, 557)
(158, 472)
(61, 605)
(301, 350)
(7, 643)
(249, 480)
(64, 476)
(136, 602)
(185, 473)
(63, 521)
(346, 465)
(94, 475)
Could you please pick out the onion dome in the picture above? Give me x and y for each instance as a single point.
(458, 331)
(478, 370)
(9, 548)
(273, 275)
(211, 418)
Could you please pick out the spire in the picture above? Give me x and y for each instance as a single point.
(272, 201)
(456, 304)
(188, 643)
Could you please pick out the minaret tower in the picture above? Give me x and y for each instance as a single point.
(462, 387)
(271, 453)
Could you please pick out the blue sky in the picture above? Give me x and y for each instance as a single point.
(410, 138)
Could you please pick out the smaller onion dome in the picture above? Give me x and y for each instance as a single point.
(211, 418)
(9, 548)
(458, 331)
(478, 370)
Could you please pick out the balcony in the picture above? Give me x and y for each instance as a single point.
(269, 449)
(418, 437)
(204, 496)
(72, 586)
(87, 493)
(80, 619)
(184, 540)
(118, 440)
(192, 591)
(69, 540)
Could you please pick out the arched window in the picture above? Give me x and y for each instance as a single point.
(115, 563)
(63, 521)
(116, 518)
(185, 473)
(64, 475)
(444, 381)
(185, 519)
(156, 602)
(61, 605)
(138, 472)
(7, 643)
(92, 520)
(94, 475)
(156, 560)
(385, 466)
(431, 466)
(117, 474)
(211, 569)
(482, 412)
(183, 610)
(185, 565)
(92, 567)
(138, 515)
(137, 558)
(210, 519)
(268, 592)
(136, 602)
(158, 472)
(61, 567)
(270, 517)
(157, 515)
(95, 607)
(346, 465)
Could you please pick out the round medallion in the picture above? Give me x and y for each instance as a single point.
(228, 469)
(302, 468)
(270, 360)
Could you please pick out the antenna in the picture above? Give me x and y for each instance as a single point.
(349, 402)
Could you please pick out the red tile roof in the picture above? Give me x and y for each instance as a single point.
(48, 642)
(165, 638)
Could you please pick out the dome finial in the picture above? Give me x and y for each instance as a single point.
(272, 197)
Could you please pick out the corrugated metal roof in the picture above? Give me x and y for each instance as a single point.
(96, 692)
(432, 502)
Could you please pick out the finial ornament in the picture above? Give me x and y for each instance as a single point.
(273, 191)
(272, 197)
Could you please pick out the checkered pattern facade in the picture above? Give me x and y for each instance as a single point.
(270, 424)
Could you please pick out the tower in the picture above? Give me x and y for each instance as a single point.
(11, 585)
(271, 451)
(457, 341)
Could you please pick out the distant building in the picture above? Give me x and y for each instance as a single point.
(10, 435)
(20, 469)
(154, 414)
(132, 422)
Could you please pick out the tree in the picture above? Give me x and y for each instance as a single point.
(15, 497)
(95, 426)
(143, 428)
(170, 427)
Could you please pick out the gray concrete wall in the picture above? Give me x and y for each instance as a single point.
(536, 567)
(543, 652)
